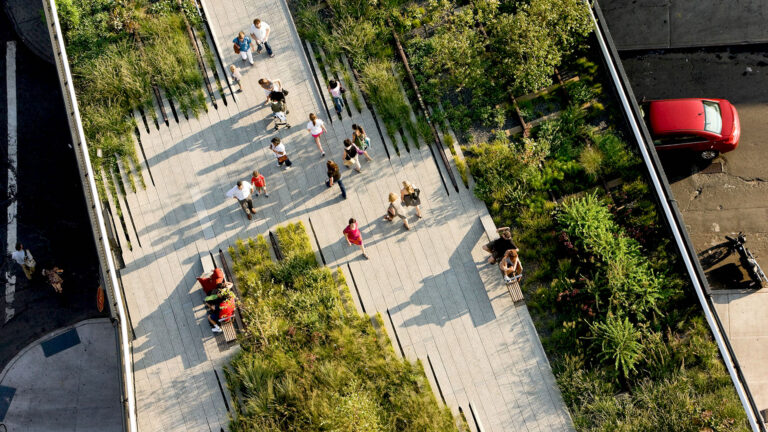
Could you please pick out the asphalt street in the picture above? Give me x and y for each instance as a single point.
(714, 203)
(52, 220)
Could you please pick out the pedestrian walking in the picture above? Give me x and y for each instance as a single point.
(334, 176)
(353, 236)
(53, 276)
(337, 90)
(237, 77)
(260, 34)
(396, 210)
(350, 155)
(278, 148)
(316, 127)
(273, 89)
(361, 140)
(409, 196)
(24, 258)
(259, 184)
(242, 193)
(243, 46)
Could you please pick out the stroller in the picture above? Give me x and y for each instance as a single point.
(279, 110)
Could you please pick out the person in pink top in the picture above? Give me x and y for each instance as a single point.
(353, 236)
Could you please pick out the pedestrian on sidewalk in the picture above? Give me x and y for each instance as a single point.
(242, 193)
(361, 140)
(334, 176)
(271, 87)
(409, 196)
(336, 90)
(259, 184)
(53, 276)
(353, 236)
(260, 34)
(278, 148)
(350, 155)
(24, 258)
(316, 127)
(243, 46)
(396, 210)
(237, 77)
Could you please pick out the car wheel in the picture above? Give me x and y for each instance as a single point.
(709, 154)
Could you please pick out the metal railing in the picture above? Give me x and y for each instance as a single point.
(108, 273)
(672, 214)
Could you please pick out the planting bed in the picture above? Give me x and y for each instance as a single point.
(309, 362)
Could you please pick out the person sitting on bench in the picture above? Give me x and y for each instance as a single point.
(220, 309)
(211, 282)
(501, 245)
(510, 266)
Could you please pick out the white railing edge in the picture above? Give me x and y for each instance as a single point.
(99, 231)
(653, 174)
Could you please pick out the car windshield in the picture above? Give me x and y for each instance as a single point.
(713, 122)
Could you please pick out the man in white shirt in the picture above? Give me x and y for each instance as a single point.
(242, 193)
(25, 260)
(260, 34)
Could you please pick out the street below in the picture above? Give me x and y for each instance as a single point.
(729, 195)
(50, 217)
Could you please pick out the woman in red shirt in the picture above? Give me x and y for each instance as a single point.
(353, 236)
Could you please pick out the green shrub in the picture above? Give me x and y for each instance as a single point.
(619, 342)
(592, 161)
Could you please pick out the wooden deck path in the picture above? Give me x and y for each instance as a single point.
(446, 308)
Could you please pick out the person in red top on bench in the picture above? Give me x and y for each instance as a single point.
(220, 310)
(212, 281)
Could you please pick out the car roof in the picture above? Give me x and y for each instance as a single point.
(674, 115)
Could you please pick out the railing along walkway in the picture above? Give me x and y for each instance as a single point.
(483, 350)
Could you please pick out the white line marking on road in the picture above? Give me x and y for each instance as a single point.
(10, 74)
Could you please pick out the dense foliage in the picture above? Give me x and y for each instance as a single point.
(309, 362)
(117, 50)
(467, 56)
(624, 334)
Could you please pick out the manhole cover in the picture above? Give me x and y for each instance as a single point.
(713, 168)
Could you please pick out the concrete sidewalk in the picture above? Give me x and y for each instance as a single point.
(662, 24)
(64, 381)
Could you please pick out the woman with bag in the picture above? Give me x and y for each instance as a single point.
(353, 236)
(350, 155)
(336, 90)
(278, 149)
(409, 196)
(334, 176)
(361, 140)
(24, 258)
(316, 127)
(396, 210)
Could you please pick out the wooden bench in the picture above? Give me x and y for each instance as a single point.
(228, 328)
(514, 286)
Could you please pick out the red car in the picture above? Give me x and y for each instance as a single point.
(706, 126)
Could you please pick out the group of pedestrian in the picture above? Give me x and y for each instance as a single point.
(354, 147)
(23, 257)
(504, 252)
(246, 45)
